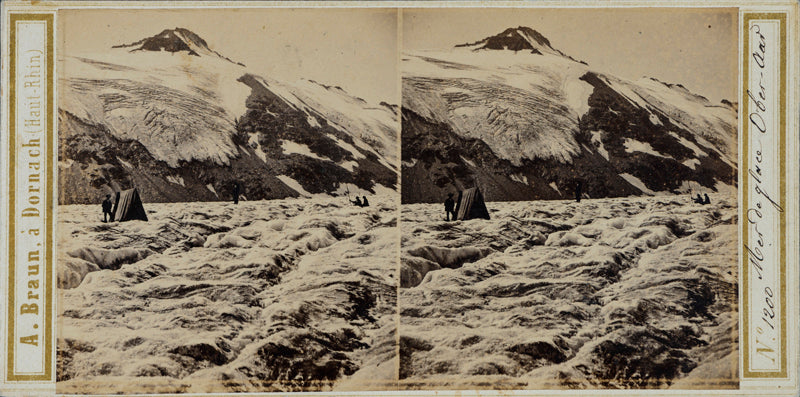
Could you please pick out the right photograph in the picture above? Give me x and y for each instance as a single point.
(569, 199)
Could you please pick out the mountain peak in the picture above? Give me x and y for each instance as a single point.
(521, 38)
(175, 40)
(515, 39)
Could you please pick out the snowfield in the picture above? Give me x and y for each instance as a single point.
(521, 105)
(283, 295)
(169, 111)
(180, 107)
(528, 105)
(186, 108)
(608, 293)
(527, 122)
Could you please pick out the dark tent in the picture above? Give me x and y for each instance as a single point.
(470, 205)
(128, 206)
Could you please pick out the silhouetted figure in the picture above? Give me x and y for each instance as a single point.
(449, 207)
(357, 202)
(236, 189)
(578, 192)
(698, 199)
(107, 209)
(365, 203)
(706, 200)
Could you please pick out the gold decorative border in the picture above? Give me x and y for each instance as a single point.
(47, 292)
(781, 18)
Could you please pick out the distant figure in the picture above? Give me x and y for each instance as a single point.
(107, 209)
(449, 207)
(365, 203)
(578, 189)
(698, 199)
(707, 200)
(357, 202)
(236, 192)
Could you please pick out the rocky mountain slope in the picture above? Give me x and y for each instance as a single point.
(181, 122)
(524, 121)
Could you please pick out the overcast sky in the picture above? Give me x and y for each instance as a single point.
(356, 49)
(694, 47)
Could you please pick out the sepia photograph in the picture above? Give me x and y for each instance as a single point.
(227, 200)
(569, 199)
(404, 198)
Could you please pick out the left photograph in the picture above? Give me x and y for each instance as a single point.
(228, 200)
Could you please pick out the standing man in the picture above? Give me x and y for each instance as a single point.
(449, 207)
(236, 192)
(107, 209)
(578, 191)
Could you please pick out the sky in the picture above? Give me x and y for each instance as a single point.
(697, 48)
(355, 49)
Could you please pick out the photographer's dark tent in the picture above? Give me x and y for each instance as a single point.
(470, 205)
(128, 206)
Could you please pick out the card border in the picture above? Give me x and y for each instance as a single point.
(39, 10)
(745, 350)
(47, 291)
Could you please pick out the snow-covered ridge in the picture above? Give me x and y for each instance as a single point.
(682, 108)
(373, 128)
(179, 109)
(211, 98)
(521, 105)
(179, 104)
(495, 95)
(556, 121)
